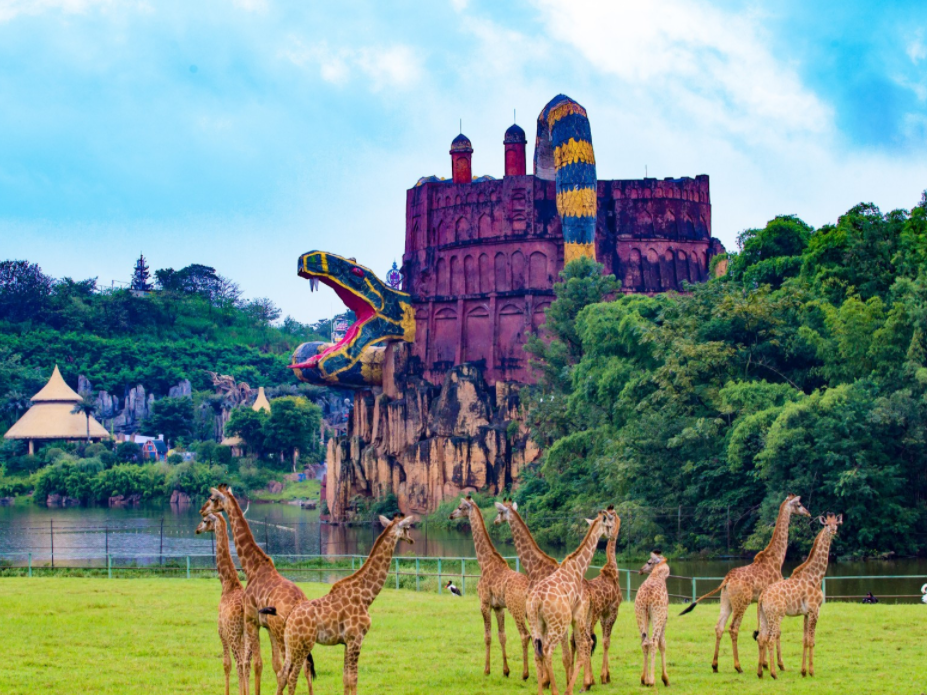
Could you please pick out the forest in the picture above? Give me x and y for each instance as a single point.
(800, 368)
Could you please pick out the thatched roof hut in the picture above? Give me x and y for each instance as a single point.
(50, 417)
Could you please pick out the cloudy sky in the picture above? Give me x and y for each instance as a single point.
(241, 133)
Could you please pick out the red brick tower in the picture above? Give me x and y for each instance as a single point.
(514, 142)
(461, 152)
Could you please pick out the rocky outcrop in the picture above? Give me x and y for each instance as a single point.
(180, 499)
(183, 389)
(423, 443)
(56, 500)
(124, 416)
(125, 500)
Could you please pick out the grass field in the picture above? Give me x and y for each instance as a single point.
(159, 636)
(308, 489)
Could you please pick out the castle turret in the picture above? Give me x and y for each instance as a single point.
(461, 152)
(515, 142)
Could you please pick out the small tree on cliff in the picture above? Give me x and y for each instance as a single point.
(248, 425)
(293, 428)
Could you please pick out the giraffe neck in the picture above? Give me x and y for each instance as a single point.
(774, 553)
(611, 562)
(815, 567)
(371, 577)
(228, 575)
(660, 572)
(537, 563)
(486, 553)
(252, 558)
(577, 563)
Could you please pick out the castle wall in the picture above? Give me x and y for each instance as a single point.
(481, 259)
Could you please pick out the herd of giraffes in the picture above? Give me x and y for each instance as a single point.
(548, 601)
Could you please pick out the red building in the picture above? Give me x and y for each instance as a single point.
(482, 254)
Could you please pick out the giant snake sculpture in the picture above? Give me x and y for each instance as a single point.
(563, 152)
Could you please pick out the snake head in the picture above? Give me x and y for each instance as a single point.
(382, 314)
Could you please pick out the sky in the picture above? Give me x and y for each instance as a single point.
(242, 133)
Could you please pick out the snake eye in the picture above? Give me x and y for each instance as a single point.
(358, 272)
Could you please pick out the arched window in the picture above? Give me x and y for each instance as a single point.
(477, 335)
(463, 229)
(471, 275)
(518, 271)
(537, 271)
(486, 275)
(502, 273)
(457, 278)
(444, 285)
(485, 227)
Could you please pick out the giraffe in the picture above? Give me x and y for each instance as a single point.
(800, 594)
(341, 616)
(536, 562)
(650, 608)
(557, 601)
(499, 588)
(231, 605)
(743, 585)
(265, 586)
(605, 597)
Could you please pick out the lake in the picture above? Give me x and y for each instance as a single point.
(148, 535)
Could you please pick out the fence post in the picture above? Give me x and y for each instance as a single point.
(439, 575)
(463, 576)
(188, 566)
(416, 573)
(51, 531)
(517, 564)
(629, 586)
(352, 564)
(109, 566)
(30, 564)
(397, 572)
(824, 590)
(693, 589)
(161, 548)
(107, 539)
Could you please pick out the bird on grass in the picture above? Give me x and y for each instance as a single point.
(869, 598)
(453, 589)
(924, 592)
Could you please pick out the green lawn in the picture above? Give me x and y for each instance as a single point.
(306, 490)
(159, 636)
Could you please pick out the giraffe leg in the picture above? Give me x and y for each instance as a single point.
(566, 655)
(540, 669)
(253, 651)
(549, 666)
(665, 676)
(770, 645)
(779, 653)
(608, 622)
(812, 626)
(719, 628)
(525, 638)
(739, 610)
(761, 637)
(351, 657)
(487, 632)
(581, 638)
(500, 624)
(226, 664)
(804, 648)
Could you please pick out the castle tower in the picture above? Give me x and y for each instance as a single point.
(461, 152)
(515, 142)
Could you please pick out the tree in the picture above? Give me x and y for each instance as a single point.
(263, 311)
(172, 417)
(24, 291)
(293, 428)
(86, 406)
(248, 425)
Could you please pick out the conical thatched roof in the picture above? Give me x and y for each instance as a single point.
(50, 416)
(260, 403)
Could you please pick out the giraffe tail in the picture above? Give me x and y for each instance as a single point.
(539, 648)
(310, 664)
(595, 641)
(270, 610)
(692, 605)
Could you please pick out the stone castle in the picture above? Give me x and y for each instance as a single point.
(481, 258)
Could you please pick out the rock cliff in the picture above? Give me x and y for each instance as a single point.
(424, 443)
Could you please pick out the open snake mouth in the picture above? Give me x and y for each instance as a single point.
(363, 310)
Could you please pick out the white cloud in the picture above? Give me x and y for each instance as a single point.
(10, 9)
(251, 5)
(385, 66)
(917, 50)
(706, 63)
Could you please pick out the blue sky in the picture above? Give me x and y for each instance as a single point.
(241, 133)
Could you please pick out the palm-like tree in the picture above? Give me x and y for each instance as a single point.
(86, 406)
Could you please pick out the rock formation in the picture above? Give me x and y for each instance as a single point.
(425, 443)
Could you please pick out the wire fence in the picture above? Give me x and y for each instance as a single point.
(426, 574)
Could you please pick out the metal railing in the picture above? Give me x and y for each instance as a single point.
(415, 573)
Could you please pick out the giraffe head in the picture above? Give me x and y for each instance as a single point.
(208, 524)
(793, 502)
(218, 500)
(505, 509)
(398, 527)
(656, 558)
(608, 522)
(831, 522)
(463, 509)
(613, 520)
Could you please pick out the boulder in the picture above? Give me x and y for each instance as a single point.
(7, 501)
(180, 499)
(274, 487)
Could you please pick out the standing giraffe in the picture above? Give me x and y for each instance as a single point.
(341, 616)
(538, 565)
(800, 594)
(743, 585)
(605, 597)
(650, 608)
(499, 587)
(231, 605)
(265, 586)
(557, 601)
